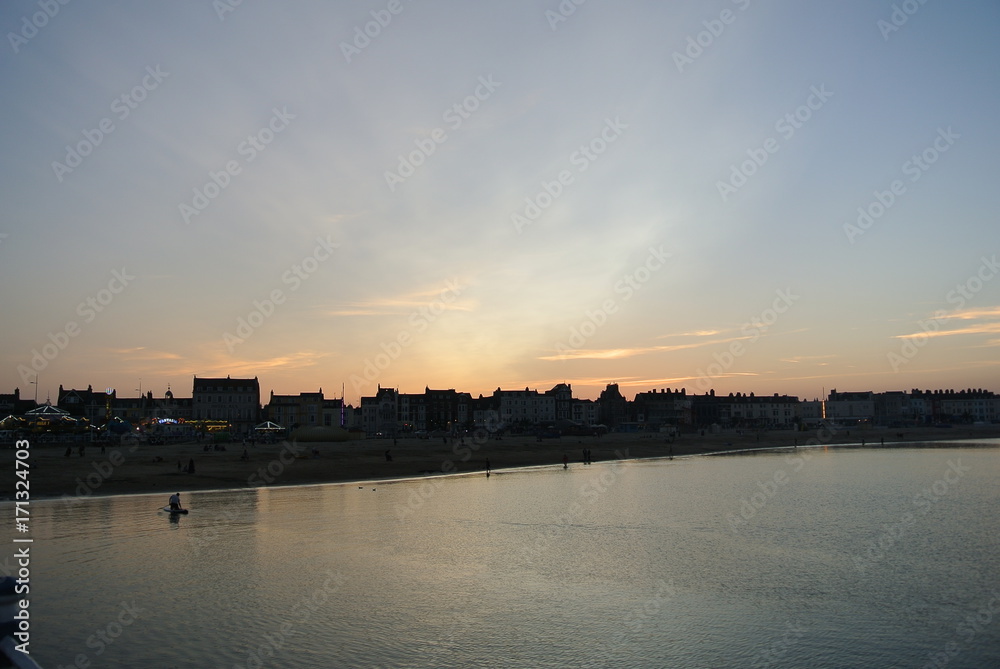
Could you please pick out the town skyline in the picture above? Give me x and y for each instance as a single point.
(652, 194)
(334, 391)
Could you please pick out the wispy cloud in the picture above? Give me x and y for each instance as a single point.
(447, 299)
(982, 328)
(292, 361)
(617, 353)
(975, 314)
(142, 353)
(696, 333)
(809, 358)
(991, 316)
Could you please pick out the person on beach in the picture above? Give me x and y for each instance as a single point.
(487, 466)
(565, 461)
(190, 468)
(175, 502)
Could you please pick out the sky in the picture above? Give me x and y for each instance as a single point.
(743, 196)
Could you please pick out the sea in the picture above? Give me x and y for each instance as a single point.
(808, 557)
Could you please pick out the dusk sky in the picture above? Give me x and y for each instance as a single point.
(740, 195)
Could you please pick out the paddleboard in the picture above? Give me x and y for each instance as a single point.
(169, 510)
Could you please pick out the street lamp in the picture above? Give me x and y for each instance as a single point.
(35, 383)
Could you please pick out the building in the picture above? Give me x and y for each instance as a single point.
(11, 404)
(764, 412)
(411, 412)
(562, 394)
(812, 412)
(305, 410)
(485, 412)
(93, 405)
(613, 406)
(445, 409)
(662, 409)
(380, 413)
(706, 410)
(236, 401)
(964, 406)
(525, 407)
(585, 412)
(894, 409)
(850, 408)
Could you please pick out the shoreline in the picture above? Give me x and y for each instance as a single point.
(143, 469)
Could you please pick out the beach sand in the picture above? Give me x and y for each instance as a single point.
(144, 468)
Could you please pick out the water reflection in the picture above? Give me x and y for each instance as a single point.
(624, 564)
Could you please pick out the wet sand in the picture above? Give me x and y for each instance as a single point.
(144, 468)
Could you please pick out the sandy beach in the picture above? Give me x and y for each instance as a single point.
(145, 468)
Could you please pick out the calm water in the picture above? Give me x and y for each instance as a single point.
(850, 558)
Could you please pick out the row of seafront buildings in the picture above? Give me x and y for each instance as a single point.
(235, 405)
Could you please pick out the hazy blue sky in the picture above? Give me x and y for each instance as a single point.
(484, 194)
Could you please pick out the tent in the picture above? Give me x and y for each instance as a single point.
(268, 426)
(118, 425)
(46, 411)
(12, 423)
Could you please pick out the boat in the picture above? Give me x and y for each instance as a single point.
(175, 511)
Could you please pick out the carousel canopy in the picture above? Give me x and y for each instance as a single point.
(12, 422)
(46, 411)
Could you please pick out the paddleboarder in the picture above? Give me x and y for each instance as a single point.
(175, 502)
